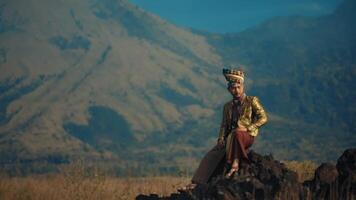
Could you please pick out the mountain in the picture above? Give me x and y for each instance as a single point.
(303, 69)
(105, 80)
(89, 78)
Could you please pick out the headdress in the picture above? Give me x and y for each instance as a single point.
(234, 76)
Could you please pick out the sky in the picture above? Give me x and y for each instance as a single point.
(225, 16)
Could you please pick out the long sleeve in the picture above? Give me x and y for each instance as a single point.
(259, 113)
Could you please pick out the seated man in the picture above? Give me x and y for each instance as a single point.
(242, 116)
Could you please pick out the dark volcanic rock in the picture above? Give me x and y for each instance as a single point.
(266, 178)
(325, 183)
(262, 178)
(346, 165)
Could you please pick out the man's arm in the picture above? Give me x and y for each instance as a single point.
(260, 113)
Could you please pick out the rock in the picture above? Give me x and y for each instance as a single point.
(326, 173)
(334, 182)
(261, 178)
(324, 184)
(346, 165)
(265, 178)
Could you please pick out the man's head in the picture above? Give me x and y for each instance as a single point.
(236, 89)
(235, 80)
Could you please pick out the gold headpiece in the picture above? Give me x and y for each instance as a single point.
(234, 75)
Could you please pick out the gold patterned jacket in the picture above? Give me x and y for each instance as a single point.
(252, 116)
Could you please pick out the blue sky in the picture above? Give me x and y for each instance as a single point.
(232, 15)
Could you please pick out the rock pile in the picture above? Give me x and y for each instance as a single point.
(266, 178)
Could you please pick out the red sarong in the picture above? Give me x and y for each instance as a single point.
(241, 141)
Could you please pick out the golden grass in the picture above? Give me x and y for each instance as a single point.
(63, 187)
(82, 181)
(304, 169)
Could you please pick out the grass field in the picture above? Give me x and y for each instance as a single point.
(76, 182)
(63, 187)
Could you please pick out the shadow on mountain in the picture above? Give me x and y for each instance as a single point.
(266, 178)
(76, 42)
(106, 130)
(176, 97)
(11, 91)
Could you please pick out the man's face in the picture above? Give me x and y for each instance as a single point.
(237, 90)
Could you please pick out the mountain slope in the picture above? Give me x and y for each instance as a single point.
(303, 69)
(71, 64)
(103, 79)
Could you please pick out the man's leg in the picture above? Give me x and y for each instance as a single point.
(241, 142)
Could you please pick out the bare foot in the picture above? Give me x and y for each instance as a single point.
(234, 168)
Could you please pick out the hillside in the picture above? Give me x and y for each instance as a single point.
(94, 78)
(106, 80)
(303, 69)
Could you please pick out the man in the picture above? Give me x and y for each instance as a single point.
(242, 117)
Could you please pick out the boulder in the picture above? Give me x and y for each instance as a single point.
(325, 183)
(261, 178)
(346, 166)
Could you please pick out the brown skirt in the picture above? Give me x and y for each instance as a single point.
(239, 143)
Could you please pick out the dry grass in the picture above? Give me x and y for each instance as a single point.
(63, 187)
(304, 169)
(79, 181)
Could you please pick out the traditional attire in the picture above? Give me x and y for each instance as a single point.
(246, 112)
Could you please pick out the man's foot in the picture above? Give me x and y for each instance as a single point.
(231, 172)
(234, 169)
